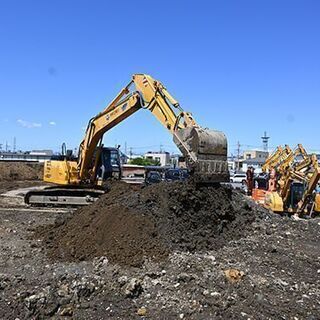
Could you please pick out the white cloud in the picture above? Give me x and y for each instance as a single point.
(28, 124)
(52, 123)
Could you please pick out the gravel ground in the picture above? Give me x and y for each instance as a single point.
(271, 273)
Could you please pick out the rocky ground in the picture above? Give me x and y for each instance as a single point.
(271, 270)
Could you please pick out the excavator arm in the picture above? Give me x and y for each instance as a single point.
(276, 158)
(312, 183)
(290, 158)
(124, 105)
(271, 159)
(296, 167)
(205, 150)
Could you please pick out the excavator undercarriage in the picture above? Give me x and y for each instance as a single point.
(66, 196)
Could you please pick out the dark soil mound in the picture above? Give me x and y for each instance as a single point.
(10, 171)
(128, 224)
(125, 236)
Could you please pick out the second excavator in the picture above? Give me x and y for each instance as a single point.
(79, 180)
(294, 177)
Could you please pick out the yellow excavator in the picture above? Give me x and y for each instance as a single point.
(280, 156)
(298, 175)
(79, 181)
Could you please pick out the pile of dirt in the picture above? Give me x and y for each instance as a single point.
(129, 224)
(124, 235)
(10, 171)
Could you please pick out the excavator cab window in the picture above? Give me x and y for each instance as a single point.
(109, 165)
(114, 158)
(296, 194)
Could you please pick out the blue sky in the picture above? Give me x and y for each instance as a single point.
(241, 66)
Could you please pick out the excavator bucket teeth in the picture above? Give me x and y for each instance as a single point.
(206, 153)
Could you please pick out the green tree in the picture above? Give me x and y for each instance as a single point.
(144, 162)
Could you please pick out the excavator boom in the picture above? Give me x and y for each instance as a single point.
(205, 150)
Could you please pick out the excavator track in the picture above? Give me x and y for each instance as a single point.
(63, 196)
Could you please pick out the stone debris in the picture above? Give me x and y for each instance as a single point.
(234, 275)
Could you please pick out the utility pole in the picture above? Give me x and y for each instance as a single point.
(125, 148)
(7, 146)
(238, 152)
(14, 144)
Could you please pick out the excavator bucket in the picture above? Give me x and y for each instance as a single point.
(205, 151)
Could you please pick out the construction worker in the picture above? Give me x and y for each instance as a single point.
(250, 176)
(272, 184)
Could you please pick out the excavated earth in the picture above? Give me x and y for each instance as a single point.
(13, 171)
(14, 175)
(130, 225)
(166, 251)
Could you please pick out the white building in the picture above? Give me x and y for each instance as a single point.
(250, 158)
(256, 163)
(132, 156)
(162, 157)
(255, 154)
(32, 156)
(41, 153)
(255, 159)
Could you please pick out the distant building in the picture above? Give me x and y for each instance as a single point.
(250, 158)
(255, 154)
(177, 161)
(233, 163)
(28, 156)
(133, 156)
(162, 157)
(256, 163)
(255, 159)
(41, 152)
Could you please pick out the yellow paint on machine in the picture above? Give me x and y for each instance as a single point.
(317, 203)
(274, 202)
(61, 172)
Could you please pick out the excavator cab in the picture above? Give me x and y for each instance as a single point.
(296, 194)
(109, 164)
